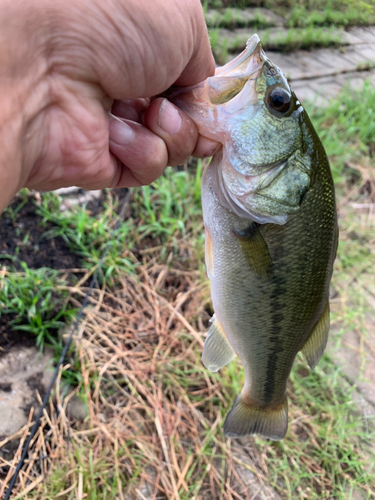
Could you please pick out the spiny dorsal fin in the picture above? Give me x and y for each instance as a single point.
(255, 250)
(245, 418)
(217, 351)
(314, 346)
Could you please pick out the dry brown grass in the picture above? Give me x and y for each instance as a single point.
(146, 435)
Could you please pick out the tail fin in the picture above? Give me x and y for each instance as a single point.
(244, 419)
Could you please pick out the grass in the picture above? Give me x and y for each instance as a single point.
(36, 301)
(223, 43)
(347, 129)
(154, 424)
(40, 301)
(87, 236)
(353, 14)
(158, 212)
(232, 18)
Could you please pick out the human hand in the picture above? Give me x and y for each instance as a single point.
(69, 63)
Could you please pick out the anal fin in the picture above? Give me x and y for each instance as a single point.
(314, 346)
(217, 351)
(245, 418)
(255, 250)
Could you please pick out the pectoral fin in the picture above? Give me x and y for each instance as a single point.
(314, 346)
(255, 250)
(217, 351)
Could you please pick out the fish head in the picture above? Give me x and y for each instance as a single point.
(250, 108)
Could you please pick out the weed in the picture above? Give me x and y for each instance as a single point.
(232, 18)
(88, 236)
(164, 212)
(38, 303)
(346, 127)
(352, 15)
(223, 43)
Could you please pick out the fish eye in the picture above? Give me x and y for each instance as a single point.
(279, 100)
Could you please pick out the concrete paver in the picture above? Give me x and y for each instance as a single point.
(357, 54)
(367, 34)
(306, 93)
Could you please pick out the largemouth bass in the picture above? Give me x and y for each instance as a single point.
(271, 233)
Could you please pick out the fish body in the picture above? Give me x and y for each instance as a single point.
(271, 234)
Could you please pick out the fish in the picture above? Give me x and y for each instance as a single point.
(271, 233)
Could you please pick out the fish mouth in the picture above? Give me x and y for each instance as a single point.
(240, 68)
(230, 90)
(230, 80)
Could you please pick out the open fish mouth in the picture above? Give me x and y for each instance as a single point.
(230, 90)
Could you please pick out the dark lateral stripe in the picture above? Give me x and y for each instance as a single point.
(275, 347)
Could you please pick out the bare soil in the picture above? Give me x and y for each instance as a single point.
(22, 238)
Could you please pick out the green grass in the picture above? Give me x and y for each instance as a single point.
(283, 41)
(307, 12)
(37, 303)
(306, 38)
(163, 212)
(327, 452)
(360, 14)
(347, 128)
(88, 236)
(232, 18)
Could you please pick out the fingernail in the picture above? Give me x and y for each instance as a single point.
(169, 118)
(119, 131)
